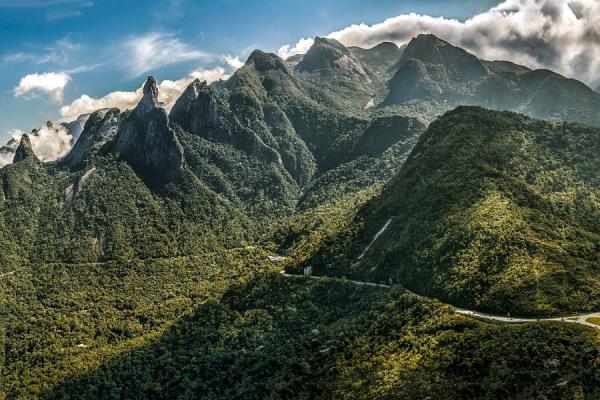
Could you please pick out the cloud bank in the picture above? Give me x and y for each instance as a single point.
(169, 92)
(562, 35)
(49, 143)
(52, 83)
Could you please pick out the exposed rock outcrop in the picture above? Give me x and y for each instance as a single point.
(100, 128)
(75, 128)
(146, 141)
(329, 55)
(25, 151)
(199, 109)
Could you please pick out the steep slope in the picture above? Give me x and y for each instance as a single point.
(432, 68)
(100, 128)
(25, 150)
(491, 210)
(147, 142)
(269, 337)
(328, 56)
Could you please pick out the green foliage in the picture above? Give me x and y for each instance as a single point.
(272, 337)
(59, 320)
(491, 210)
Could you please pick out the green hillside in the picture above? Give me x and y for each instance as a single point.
(492, 210)
(187, 328)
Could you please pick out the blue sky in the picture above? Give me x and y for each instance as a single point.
(85, 39)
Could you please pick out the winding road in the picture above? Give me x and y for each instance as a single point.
(575, 319)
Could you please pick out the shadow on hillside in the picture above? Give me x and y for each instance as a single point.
(286, 338)
(259, 340)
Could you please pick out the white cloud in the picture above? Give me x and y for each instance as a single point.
(233, 62)
(59, 53)
(563, 35)
(156, 49)
(52, 83)
(169, 92)
(301, 47)
(208, 75)
(49, 143)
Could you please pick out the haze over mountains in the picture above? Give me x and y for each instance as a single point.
(144, 262)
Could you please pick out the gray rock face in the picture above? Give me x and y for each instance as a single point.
(146, 141)
(100, 128)
(329, 55)
(75, 128)
(25, 151)
(198, 109)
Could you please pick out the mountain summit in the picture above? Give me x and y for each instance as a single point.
(25, 150)
(146, 141)
(332, 56)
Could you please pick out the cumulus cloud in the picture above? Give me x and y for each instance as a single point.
(300, 47)
(49, 143)
(157, 49)
(563, 35)
(233, 61)
(169, 91)
(52, 83)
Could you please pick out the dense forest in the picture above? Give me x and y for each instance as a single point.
(492, 210)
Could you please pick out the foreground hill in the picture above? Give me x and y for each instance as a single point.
(492, 210)
(222, 326)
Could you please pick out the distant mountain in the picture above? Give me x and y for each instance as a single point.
(492, 210)
(331, 57)
(275, 138)
(433, 69)
(24, 151)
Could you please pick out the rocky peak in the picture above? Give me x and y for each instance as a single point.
(75, 128)
(330, 55)
(430, 49)
(150, 99)
(25, 150)
(100, 128)
(264, 62)
(198, 109)
(145, 140)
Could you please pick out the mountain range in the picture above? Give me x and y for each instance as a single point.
(470, 181)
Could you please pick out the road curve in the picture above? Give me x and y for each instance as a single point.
(575, 319)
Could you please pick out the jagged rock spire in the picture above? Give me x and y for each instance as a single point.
(146, 141)
(150, 99)
(24, 151)
(198, 109)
